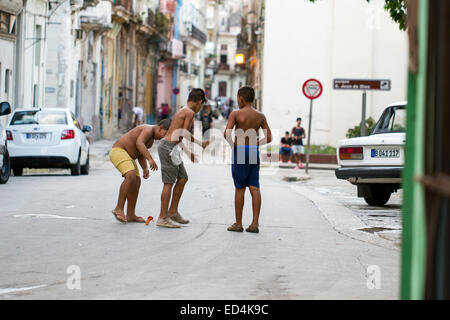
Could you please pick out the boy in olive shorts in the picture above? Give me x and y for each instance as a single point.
(173, 172)
(131, 146)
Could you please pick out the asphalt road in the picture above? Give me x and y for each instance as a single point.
(52, 221)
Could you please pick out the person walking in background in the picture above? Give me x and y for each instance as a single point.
(298, 134)
(165, 111)
(286, 147)
(138, 114)
(206, 117)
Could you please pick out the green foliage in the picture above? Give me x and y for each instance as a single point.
(355, 132)
(398, 11)
(315, 149)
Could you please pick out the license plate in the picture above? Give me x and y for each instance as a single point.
(385, 153)
(37, 136)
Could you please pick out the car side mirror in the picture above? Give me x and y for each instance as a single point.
(5, 108)
(87, 128)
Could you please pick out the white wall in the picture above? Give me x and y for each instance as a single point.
(62, 60)
(327, 40)
(6, 63)
(29, 73)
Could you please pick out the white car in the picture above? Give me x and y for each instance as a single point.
(47, 138)
(375, 163)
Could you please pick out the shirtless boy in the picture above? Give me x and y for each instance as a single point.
(172, 167)
(131, 146)
(245, 166)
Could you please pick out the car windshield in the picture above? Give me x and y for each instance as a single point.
(392, 120)
(39, 117)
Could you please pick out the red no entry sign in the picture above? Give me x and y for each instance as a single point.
(312, 89)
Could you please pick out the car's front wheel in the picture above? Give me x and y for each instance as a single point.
(5, 170)
(75, 170)
(379, 196)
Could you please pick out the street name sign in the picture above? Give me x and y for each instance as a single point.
(361, 84)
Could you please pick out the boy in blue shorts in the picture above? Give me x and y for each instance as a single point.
(245, 167)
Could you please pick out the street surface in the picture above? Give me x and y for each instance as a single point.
(51, 221)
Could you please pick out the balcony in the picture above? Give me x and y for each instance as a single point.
(162, 24)
(126, 4)
(89, 3)
(122, 10)
(95, 23)
(196, 33)
(97, 17)
(223, 67)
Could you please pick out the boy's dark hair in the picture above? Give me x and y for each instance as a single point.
(248, 93)
(165, 124)
(287, 132)
(299, 119)
(197, 95)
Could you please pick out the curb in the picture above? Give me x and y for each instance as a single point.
(342, 219)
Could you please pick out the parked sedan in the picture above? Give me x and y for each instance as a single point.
(375, 163)
(47, 138)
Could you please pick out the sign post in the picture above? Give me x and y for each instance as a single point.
(361, 84)
(312, 89)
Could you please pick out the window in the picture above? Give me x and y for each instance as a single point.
(222, 88)
(39, 117)
(7, 76)
(392, 120)
(223, 59)
(37, 45)
(35, 95)
(75, 121)
(71, 88)
(5, 22)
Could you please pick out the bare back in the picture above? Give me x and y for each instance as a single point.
(250, 121)
(128, 140)
(181, 120)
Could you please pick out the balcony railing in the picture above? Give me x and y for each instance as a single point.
(196, 33)
(224, 67)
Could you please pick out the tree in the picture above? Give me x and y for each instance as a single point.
(356, 131)
(397, 10)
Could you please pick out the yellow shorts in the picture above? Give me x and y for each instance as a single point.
(122, 161)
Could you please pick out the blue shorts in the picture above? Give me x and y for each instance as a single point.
(245, 166)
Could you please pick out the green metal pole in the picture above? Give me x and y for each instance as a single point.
(414, 223)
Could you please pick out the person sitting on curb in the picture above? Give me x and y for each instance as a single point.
(286, 147)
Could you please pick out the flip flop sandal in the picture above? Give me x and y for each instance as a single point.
(252, 229)
(140, 220)
(235, 228)
(117, 217)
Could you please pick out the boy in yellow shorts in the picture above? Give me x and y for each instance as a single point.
(131, 146)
